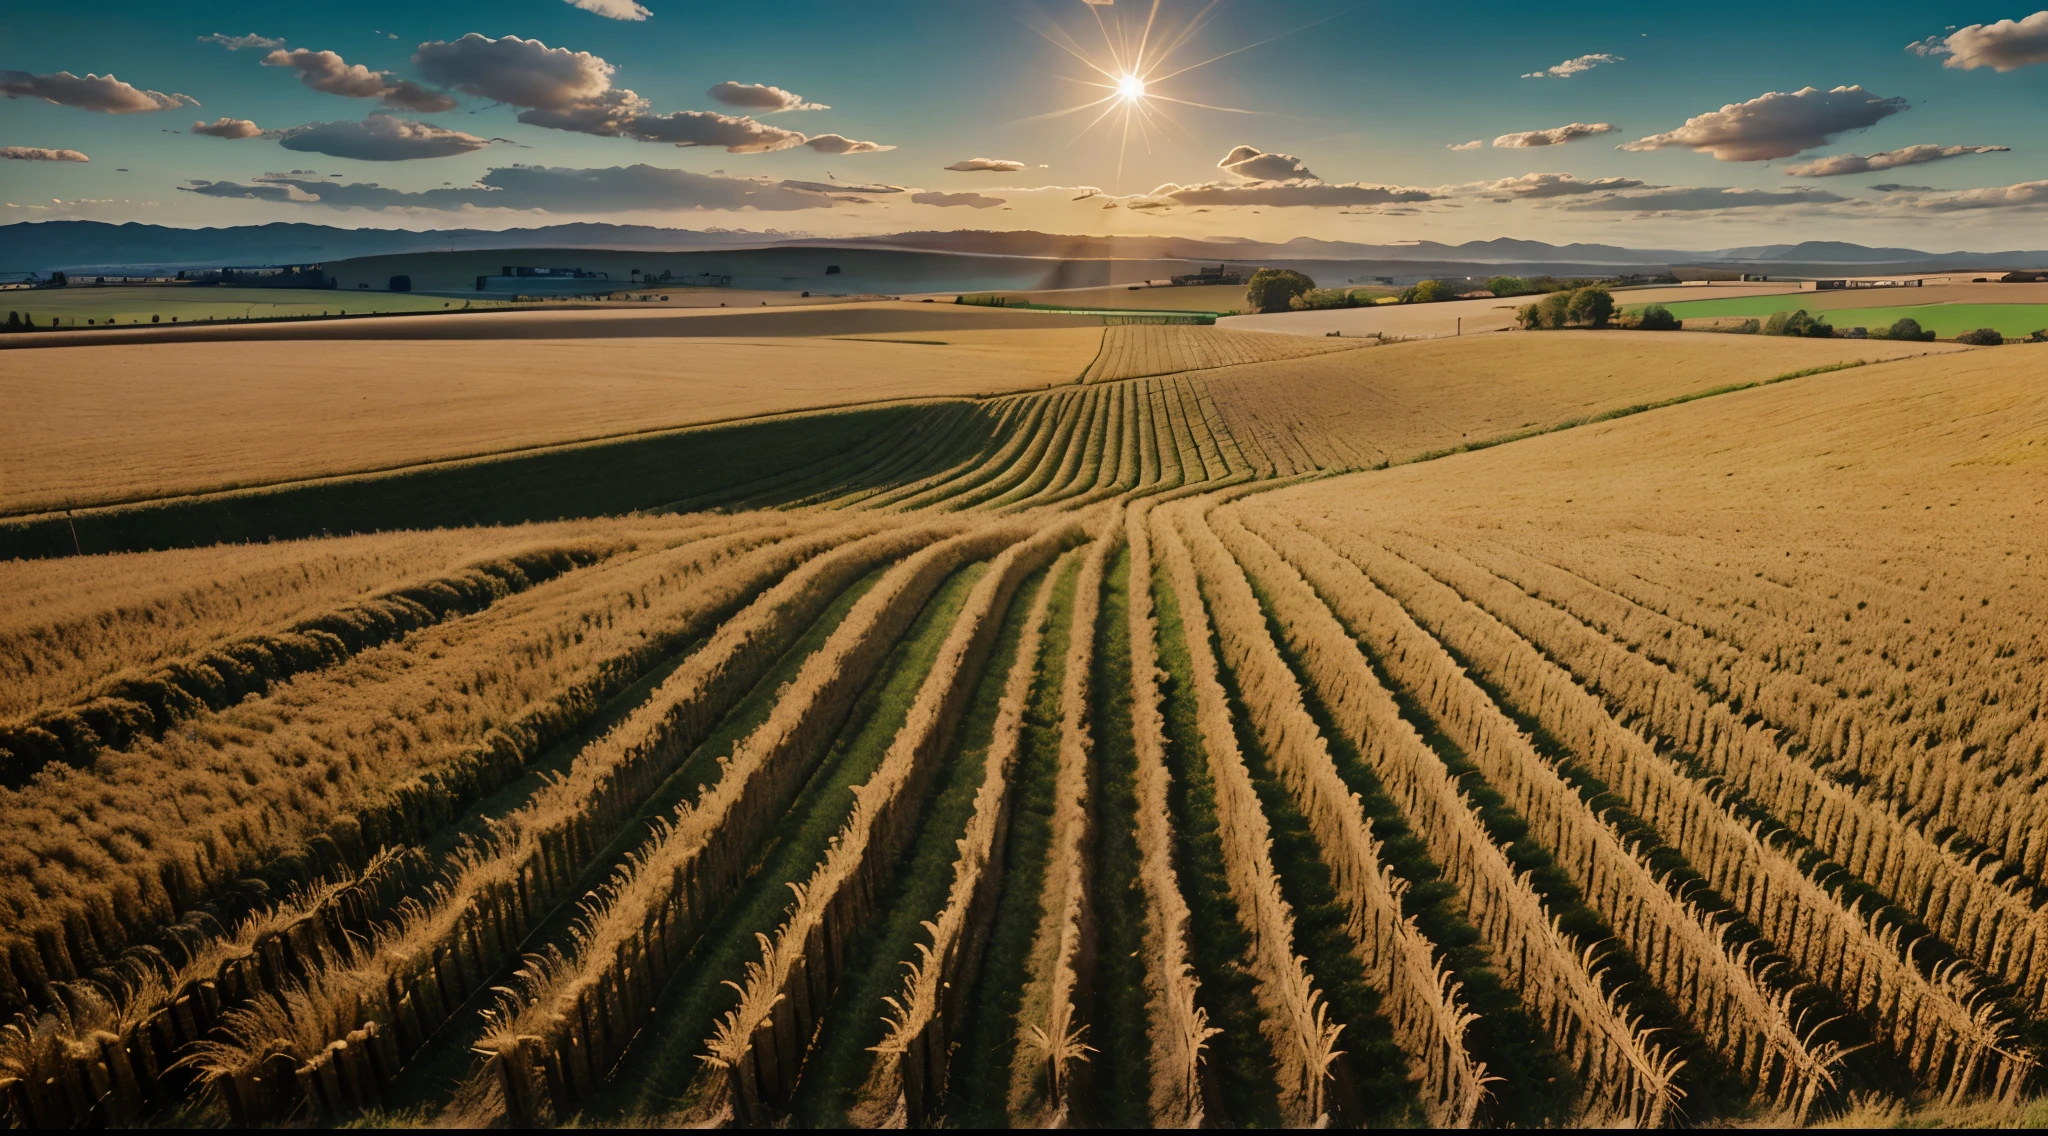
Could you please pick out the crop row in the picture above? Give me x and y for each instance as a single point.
(1136, 351)
(1644, 666)
(201, 996)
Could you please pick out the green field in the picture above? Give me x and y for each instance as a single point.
(2014, 321)
(196, 303)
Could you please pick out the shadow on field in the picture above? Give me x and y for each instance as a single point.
(756, 463)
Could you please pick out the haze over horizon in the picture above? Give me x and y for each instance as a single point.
(1701, 129)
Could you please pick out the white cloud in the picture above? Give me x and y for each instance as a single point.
(237, 43)
(738, 134)
(1694, 199)
(761, 97)
(840, 187)
(1254, 164)
(1532, 187)
(1293, 185)
(840, 144)
(947, 200)
(1475, 144)
(2025, 195)
(523, 72)
(992, 165)
(1571, 67)
(380, 138)
(228, 128)
(1839, 164)
(38, 154)
(572, 90)
(618, 189)
(1287, 193)
(328, 72)
(2007, 45)
(1776, 125)
(1555, 136)
(102, 93)
(613, 9)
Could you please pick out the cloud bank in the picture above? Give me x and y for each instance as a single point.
(1254, 164)
(613, 9)
(1776, 125)
(237, 43)
(1839, 164)
(38, 154)
(840, 144)
(761, 97)
(1475, 144)
(102, 93)
(380, 138)
(1555, 136)
(1536, 187)
(1694, 199)
(228, 128)
(329, 73)
(618, 189)
(2025, 195)
(2007, 45)
(568, 90)
(1571, 67)
(993, 165)
(1297, 187)
(948, 200)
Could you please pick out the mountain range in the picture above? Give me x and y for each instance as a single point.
(44, 246)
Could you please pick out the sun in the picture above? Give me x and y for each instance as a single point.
(1135, 59)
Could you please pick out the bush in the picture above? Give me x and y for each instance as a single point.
(1546, 314)
(1982, 337)
(1427, 292)
(1320, 299)
(1592, 307)
(1798, 324)
(1274, 289)
(1657, 317)
(1905, 329)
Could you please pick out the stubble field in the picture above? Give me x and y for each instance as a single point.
(1202, 746)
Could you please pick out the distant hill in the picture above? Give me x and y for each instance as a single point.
(44, 246)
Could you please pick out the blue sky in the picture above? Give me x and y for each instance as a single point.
(1364, 98)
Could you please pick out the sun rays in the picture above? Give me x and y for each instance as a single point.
(1130, 66)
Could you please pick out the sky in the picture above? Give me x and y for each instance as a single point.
(1654, 126)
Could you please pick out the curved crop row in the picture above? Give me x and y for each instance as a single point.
(1948, 1032)
(1966, 901)
(1622, 1071)
(1304, 1042)
(1718, 985)
(1178, 1026)
(1049, 1038)
(761, 1049)
(1401, 965)
(247, 791)
(921, 1024)
(149, 705)
(548, 1043)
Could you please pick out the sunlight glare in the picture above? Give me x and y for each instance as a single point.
(1131, 87)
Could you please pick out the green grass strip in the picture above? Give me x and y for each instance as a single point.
(841, 1061)
(978, 1083)
(1118, 1083)
(660, 1073)
(1239, 1059)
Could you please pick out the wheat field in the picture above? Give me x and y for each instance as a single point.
(1560, 729)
